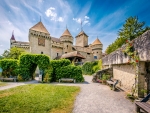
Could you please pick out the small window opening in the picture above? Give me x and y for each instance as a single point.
(42, 52)
(67, 46)
(57, 54)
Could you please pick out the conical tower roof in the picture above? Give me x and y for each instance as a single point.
(12, 37)
(82, 32)
(39, 27)
(97, 41)
(66, 33)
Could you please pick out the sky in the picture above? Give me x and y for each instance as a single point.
(100, 18)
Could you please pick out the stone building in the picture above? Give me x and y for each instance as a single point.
(41, 42)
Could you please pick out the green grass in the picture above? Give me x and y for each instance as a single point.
(35, 98)
(2, 84)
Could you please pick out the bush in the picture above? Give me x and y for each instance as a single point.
(87, 67)
(105, 77)
(98, 66)
(48, 74)
(70, 71)
(57, 64)
(8, 67)
(29, 63)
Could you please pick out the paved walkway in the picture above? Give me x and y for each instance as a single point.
(94, 98)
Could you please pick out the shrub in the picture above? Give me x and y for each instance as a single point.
(48, 74)
(98, 66)
(105, 77)
(87, 67)
(8, 66)
(70, 71)
(58, 64)
(29, 63)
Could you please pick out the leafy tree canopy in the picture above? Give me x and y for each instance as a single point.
(13, 53)
(131, 29)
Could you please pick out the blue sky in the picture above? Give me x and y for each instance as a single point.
(102, 18)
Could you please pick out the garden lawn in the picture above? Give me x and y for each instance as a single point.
(38, 98)
(2, 84)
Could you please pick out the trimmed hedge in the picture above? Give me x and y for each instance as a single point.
(57, 64)
(70, 71)
(9, 66)
(29, 62)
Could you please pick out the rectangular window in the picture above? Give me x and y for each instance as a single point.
(57, 54)
(95, 57)
(88, 53)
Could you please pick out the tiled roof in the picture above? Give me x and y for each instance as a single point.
(82, 32)
(72, 54)
(97, 41)
(66, 33)
(39, 27)
(56, 39)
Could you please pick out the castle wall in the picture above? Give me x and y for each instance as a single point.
(56, 52)
(88, 56)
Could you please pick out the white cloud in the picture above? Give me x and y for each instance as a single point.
(53, 15)
(78, 20)
(1, 45)
(60, 19)
(85, 21)
(86, 17)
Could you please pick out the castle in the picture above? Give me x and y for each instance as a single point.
(40, 42)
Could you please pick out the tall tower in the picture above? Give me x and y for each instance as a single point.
(97, 49)
(82, 39)
(67, 40)
(40, 40)
(12, 39)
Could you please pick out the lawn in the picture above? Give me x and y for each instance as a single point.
(2, 84)
(38, 98)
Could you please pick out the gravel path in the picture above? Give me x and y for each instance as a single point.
(98, 98)
(93, 98)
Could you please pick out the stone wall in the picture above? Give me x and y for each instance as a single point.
(126, 75)
(140, 44)
(125, 72)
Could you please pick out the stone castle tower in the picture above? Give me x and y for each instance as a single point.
(82, 39)
(97, 49)
(67, 40)
(40, 42)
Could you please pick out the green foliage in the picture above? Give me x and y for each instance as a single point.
(105, 77)
(48, 74)
(70, 71)
(98, 66)
(131, 30)
(8, 66)
(58, 64)
(29, 62)
(13, 53)
(89, 68)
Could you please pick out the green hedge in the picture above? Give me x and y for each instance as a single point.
(58, 64)
(9, 66)
(89, 68)
(29, 62)
(70, 71)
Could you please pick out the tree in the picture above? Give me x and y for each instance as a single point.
(13, 53)
(132, 28)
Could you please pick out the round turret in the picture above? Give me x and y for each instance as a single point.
(97, 49)
(67, 40)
